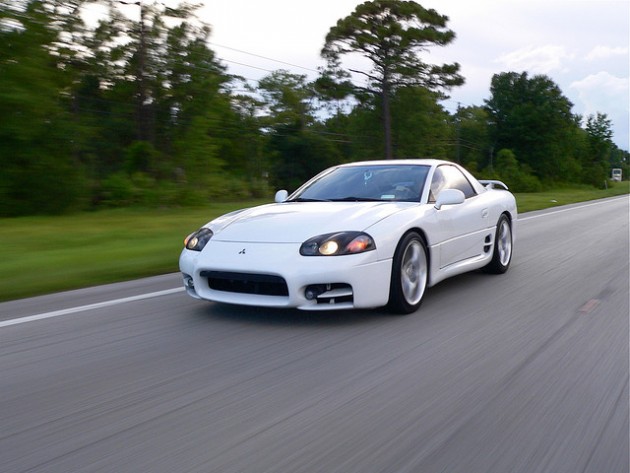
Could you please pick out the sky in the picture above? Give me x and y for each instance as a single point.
(582, 45)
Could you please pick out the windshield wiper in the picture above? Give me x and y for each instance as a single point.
(302, 199)
(356, 199)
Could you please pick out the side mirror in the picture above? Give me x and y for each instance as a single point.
(449, 197)
(281, 196)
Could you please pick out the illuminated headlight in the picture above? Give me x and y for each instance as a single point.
(335, 244)
(197, 241)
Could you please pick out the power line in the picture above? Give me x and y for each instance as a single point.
(247, 65)
(262, 57)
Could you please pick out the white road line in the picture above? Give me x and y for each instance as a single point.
(98, 305)
(547, 214)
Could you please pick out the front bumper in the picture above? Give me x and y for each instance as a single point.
(341, 282)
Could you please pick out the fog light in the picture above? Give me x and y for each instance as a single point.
(311, 292)
(188, 282)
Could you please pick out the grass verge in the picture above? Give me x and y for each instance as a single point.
(40, 255)
(544, 200)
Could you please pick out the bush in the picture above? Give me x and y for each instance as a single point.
(40, 184)
(595, 175)
(140, 189)
(518, 177)
(141, 156)
(259, 188)
(527, 183)
(117, 190)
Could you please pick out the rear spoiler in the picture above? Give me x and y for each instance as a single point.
(492, 184)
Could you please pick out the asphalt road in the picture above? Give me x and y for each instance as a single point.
(524, 372)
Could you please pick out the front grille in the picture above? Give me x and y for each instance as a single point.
(246, 283)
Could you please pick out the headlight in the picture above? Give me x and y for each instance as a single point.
(198, 240)
(335, 244)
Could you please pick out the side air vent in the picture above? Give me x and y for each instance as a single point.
(488, 245)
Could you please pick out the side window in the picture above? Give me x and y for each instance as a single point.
(437, 184)
(449, 177)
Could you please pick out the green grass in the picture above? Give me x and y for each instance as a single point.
(543, 200)
(40, 255)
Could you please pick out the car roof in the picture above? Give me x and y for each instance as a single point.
(395, 162)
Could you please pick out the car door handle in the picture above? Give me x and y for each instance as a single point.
(484, 213)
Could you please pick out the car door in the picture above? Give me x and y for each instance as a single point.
(462, 228)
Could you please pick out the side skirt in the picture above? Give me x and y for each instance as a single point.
(438, 274)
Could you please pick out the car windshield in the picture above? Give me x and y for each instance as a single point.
(382, 182)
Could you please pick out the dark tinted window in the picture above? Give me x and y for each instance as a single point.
(449, 177)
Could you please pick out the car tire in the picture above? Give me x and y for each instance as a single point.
(503, 246)
(410, 274)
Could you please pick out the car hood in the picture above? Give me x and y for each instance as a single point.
(295, 222)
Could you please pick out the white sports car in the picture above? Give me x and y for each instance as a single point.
(359, 235)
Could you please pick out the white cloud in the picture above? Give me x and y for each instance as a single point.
(602, 90)
(543, 59)
(605, 52)
(605, 93)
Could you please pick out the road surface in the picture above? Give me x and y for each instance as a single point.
(524, 372)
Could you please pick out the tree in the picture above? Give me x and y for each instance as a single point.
(472, 137)
(298, 154)
(297, 151)
(38, 173)
(599, 148)
(191, 76)
(138, 99)
(287, 98)
(149, 80)
(422, 130)
(390, 34)
(531, 117)
(620, 159)
(599, 130)
(194, 119)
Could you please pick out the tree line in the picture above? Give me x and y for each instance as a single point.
(141, 111)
